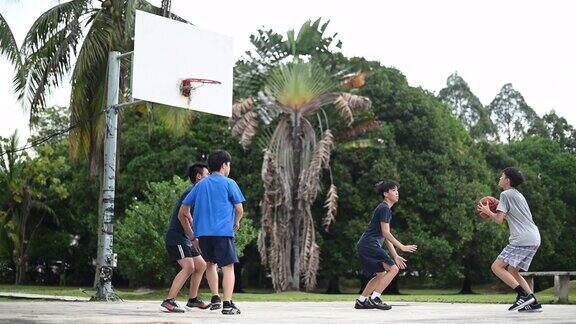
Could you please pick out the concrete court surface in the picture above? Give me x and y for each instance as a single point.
(277, 312)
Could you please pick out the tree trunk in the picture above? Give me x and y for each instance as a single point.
(238, 275)
(22, 257)
(296, 218)
(467, 285)
(333, 285)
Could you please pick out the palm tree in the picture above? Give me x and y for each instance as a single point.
(296, 95)
(77, 30)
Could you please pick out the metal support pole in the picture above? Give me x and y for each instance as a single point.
(106, 260)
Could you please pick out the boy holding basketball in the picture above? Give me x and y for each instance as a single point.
(524, 239)
(376, 263)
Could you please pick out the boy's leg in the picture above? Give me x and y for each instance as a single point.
(228, 307)
(187, 267)
(228, 279)
(524, 298)
(499, 269)
(376, 286)
(212, 277)
(372, 284)
(391, 272)
(523, 283)
(199, 268)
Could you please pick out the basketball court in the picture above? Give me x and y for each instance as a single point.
(277, 312)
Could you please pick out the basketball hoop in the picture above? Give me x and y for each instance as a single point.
(187, 86)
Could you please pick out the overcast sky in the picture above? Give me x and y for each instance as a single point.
(489, 43)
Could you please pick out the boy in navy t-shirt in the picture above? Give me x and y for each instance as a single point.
(376, 263)
(217, 203)
(181, 246)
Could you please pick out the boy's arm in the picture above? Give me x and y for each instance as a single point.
(498, 217)
(391, 249)
(185, 219)
(400, 261)
(389, 237)
(238, 213)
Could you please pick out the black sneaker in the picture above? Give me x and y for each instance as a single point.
(532, 308)
(215, 302)
(378, 303)
(362, 305)
(230, 309)
(522, 301)
(170, 306)
(196, 303)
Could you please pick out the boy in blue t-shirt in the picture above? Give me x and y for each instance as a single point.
(217, 211)
(376, 263)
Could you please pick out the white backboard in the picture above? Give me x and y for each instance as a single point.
(167, 51)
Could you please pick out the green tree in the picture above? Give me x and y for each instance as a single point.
(30, 184)
(512, 115)
(467, 107)
(560, 131)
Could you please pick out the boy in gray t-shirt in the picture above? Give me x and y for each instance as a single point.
(524, 239)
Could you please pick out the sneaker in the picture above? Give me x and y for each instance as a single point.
(363, 305)
(522, 301)
(170, 306)
(196, 303)
(378, 303)
(215, 302)
(230, 309)
(532, 308)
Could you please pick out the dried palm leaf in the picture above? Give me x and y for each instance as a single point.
(346, 103)
(331, 205)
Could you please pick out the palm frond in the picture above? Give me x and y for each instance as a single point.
(310, 183)
(346, 103)
(177, 120)
(49, 47)
(297, 83)
(8, 45)
(312, 268)
(244, 121)
(331, 204)
(87, 100)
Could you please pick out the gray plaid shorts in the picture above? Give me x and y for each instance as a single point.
(518, 256)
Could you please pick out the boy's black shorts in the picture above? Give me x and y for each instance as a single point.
(177, 252)
(218, 249)
(372, 256)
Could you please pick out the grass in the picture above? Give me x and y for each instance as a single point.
(408, 295)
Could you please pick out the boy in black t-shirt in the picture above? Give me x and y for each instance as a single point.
(376, 263)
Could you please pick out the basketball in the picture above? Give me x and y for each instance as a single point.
(492, 203)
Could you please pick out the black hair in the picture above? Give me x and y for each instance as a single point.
(515, 175)
(216, 159)
(194, 170)
(383, 186)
